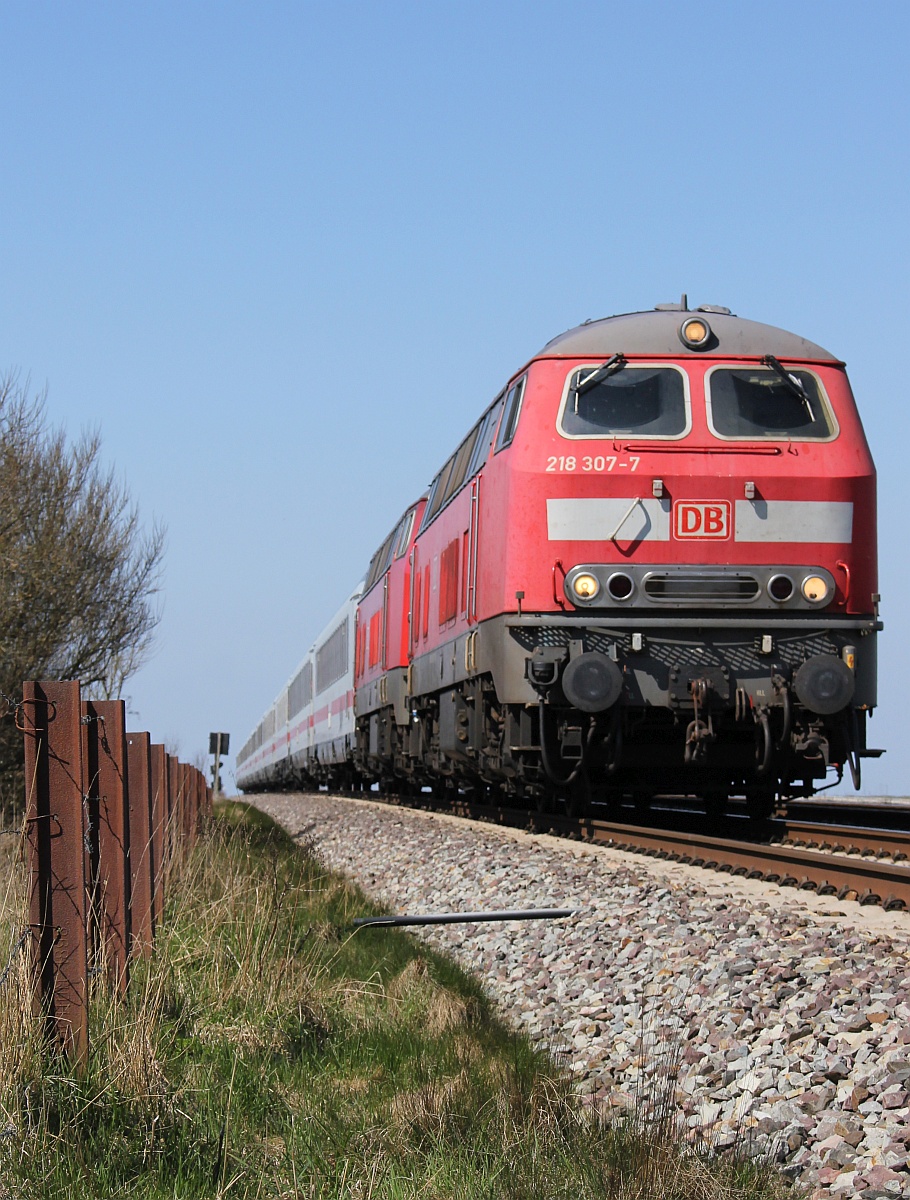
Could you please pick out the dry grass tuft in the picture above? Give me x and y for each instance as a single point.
(430, 1110)
(443, 1010)
(469, 1053)
(245, 1037)
(448, 1012)
(411, 979)
(360, 1003)
(21, 1054)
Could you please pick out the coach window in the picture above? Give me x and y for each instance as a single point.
(630, 401)
(332, 657)
(510, 416)
(758, 403)
(301, 690)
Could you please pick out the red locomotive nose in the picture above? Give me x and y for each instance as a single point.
(653, 552)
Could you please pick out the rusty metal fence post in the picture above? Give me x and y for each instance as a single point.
(159, 826)
(188, 824)
(104, 773)
(174, 809)
(142, 849)
(55, 831)
(201, 801)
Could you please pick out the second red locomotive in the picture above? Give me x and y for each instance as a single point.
(649, 568)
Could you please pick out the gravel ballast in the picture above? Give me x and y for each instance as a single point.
(764, 1014)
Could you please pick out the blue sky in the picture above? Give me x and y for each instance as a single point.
(283, 254)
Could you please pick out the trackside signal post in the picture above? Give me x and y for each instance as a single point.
(218, 745)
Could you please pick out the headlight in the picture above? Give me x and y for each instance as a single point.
(585, 586)
(816, 590)
(620, 585)
(780, 588)
(695, 333)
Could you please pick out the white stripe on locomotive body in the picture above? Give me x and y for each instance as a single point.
(598, 519)
(642, 519)
(828, 522)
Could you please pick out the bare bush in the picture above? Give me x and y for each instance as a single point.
(78, 574)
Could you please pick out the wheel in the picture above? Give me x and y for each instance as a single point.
(642, 804)
(543, 801)
(715, 805)
(759, 803)
(578, 796)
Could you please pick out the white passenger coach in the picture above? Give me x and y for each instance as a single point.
(307, 734)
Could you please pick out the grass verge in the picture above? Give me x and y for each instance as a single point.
(265, 1051)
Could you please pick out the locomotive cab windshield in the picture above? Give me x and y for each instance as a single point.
(747, 403)
(639, 401)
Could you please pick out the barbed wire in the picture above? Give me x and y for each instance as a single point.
(10, 706)
(5, 973)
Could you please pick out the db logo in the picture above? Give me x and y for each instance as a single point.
(694, 519)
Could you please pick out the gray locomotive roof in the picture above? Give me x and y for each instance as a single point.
(657, 332)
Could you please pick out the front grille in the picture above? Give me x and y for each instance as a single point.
(739, 655)
(696, 588)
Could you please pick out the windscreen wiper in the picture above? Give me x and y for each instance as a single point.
(598, 375)
(793, 382)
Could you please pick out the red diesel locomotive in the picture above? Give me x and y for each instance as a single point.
(649, 568)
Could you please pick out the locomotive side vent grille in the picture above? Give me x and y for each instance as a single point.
(697, 588)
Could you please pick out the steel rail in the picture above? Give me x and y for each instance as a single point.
(868, 881)
(841, 839)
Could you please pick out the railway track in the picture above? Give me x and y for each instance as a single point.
(844, 839)
(850, 862)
